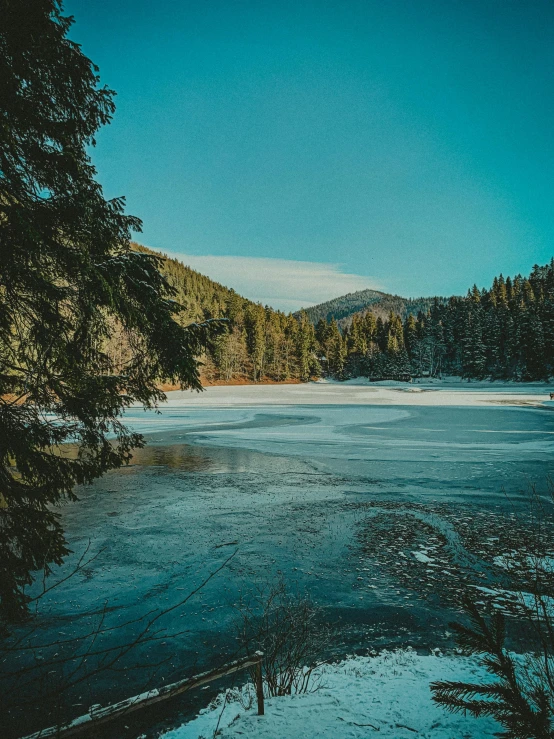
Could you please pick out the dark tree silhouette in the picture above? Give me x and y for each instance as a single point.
(67, 277)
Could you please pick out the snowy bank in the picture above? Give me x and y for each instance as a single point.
(362, 392)
(358, 697)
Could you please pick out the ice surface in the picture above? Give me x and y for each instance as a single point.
(421, 557)
(361, 392)
(293, 477)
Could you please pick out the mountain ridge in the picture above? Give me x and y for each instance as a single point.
(344, 307)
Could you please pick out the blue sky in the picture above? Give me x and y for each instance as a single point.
(299, 150)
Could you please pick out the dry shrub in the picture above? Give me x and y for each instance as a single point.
(288, 627)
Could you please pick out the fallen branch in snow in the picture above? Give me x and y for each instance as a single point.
(386, 688)
(353, 723)
(225, 701)
(99, 715)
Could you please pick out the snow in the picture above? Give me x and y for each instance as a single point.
(356, 423)
(422, 557)
(360, 391)
(386, 695)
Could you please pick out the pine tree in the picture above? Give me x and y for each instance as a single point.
(474, 349)
(336, 350)
(357, 339)
(307, 365)
(520, 702)
(68, 276)
(410, 333)
(254, 322)
(369, 324)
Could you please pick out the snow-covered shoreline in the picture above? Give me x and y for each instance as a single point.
(448, 392)
(387, 695)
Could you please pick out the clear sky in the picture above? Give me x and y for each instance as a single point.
(299, 150)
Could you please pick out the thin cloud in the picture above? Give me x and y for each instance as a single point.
(284, 284)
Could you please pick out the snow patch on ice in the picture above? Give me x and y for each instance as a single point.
(422, 557)
(514, 560)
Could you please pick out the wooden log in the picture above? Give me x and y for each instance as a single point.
(98, 715)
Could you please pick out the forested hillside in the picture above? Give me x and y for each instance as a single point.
(504, 332)
(342, 309)
(261, 343)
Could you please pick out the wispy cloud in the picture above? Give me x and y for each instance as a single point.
(284, 284)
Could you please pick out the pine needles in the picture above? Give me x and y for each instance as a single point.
(520, 697)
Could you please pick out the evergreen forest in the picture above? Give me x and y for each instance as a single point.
(505, 332)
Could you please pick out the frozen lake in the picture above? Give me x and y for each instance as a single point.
(377, 500)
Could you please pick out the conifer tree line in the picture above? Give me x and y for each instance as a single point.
(506, 332)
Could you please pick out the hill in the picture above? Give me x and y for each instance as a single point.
(261, 344)
(343, 308)
(201, 296)
(204, 298)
